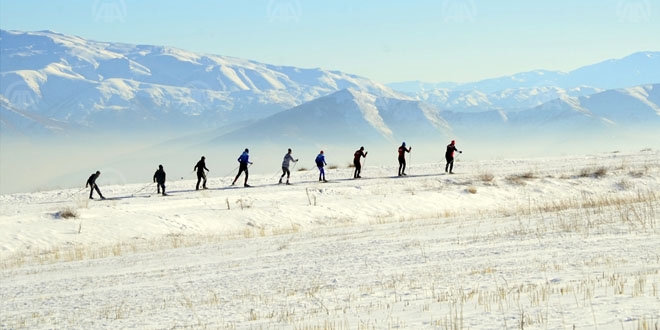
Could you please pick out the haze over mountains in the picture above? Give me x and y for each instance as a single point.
(139, 105)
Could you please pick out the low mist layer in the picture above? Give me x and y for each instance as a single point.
(28, 164)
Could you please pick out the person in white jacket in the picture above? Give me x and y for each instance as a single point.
(285, 166)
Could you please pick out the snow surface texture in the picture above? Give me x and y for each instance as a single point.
(547, 243)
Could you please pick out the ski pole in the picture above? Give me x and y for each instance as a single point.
(275, 175)
(143, 188)
(230, 172)
(76, 193)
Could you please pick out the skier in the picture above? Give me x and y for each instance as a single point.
(356, 161)
(159, 177)
(449, 156)
(320, 162)
(244, 159)
(402, 158)
(91, 182)
(285, 166)
(200, 167)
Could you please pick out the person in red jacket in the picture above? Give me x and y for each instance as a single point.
(356, 161)
(449, 156)
(402, 158)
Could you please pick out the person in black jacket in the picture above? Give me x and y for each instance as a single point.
(159, 178)
(200, 167)
(91, 182)
(449, 156)
(402, 158)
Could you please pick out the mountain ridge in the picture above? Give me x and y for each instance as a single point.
(642, 65)
(145, 85)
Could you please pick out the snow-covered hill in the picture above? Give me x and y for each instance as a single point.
(545, 243)
(76, 82)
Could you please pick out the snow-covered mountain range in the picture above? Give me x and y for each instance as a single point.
(52, 81)
(634, 108)
(526, 90)
(636, 69)
(59, 83)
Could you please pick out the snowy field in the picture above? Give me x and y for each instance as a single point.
(556, 243)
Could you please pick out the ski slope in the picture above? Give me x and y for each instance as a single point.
(544, 243)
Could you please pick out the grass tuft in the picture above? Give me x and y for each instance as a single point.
(486, 177)
(520, 178)
(67, 213)
(593, 172)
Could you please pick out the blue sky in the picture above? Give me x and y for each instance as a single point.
(386, 40)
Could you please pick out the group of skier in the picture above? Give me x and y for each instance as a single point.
(244, 164)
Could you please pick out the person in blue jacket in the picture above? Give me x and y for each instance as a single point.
(320, 163)
(244, 160)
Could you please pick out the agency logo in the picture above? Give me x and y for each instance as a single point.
(20, 95)
(109, 11)
(459, 11)
(634, 11)
(284, 11)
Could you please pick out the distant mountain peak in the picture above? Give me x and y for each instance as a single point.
(635, 69)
